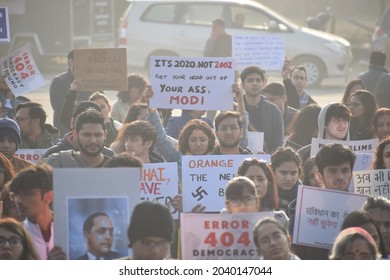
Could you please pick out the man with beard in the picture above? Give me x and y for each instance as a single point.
(98, 233)
(90, 134)
(264, 116)
(228, 129)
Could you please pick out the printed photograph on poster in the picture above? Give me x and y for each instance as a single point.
(97, 228)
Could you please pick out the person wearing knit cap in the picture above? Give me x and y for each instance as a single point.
(354, 243)
(10, 140)
(150, 231)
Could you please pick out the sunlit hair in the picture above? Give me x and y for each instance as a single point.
(271, 199)
(378, 162)
(370, 107)
(333, 155)
(282, 155)
(29, 252)
(348, 88)
(236, 187)
(186, 131)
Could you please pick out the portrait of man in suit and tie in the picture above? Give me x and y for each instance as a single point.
(98, 233)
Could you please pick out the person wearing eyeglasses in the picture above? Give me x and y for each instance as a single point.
(150, 232)
(98, 233)
(295, 82)
(15, 241)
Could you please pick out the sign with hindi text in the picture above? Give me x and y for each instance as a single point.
(199, 83)
(320, 213)
(372, 182)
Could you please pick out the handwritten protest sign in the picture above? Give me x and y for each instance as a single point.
(4, 25)
(33, 155)
(372, 182)
(362, 162)
(357, 146)
(100, 69)
(219, 237)
(80, 192)
(20, 71)
(204, 179)
(266, 52)
(160, 183)
(320, 213)
(192, 83)
(256, 141)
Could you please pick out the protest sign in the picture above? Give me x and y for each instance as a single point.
(4, 25)
(357, 146)
(160, 183)
(204, 179)
(372, 182)
(219, 237)
(33, 155)
(20, 71)
(255, 141)
(320, 213)
(80, 192)
(362, 162)
(266, 52)
(192, 83)
(100, 69)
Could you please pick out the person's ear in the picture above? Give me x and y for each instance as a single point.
(48, 197)
(149, 143)
(227, 207)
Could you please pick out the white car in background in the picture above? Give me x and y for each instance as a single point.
(181, 28)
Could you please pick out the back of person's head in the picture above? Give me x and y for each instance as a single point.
(276, 89)
(187, 130)
(99, 95)
(90, 116)
(343, 243)
(252, 70)
(285, 154)
(227, 114)
(35, 111)
(378, 57)
(361, 218)
(124, 160)
(150, 219)
(304, 126)
(236, 186)
(143, 129)
(29, 252)
(38, 176)
(83, 106)
(334, 155)
(376, 202)
(135, 111)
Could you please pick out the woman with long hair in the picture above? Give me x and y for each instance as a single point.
(381, 158)
(353, 85)
(381, 123)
